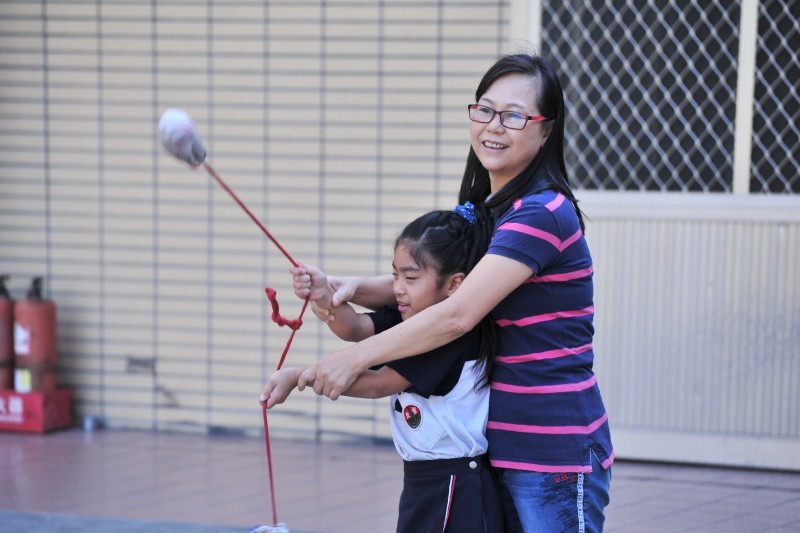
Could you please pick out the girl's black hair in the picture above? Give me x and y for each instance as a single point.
(547, 170)
(449, 243)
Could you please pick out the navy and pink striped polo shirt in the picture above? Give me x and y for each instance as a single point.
(545, 412)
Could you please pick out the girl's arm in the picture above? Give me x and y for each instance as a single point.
(370, 384)
(377, 384)
(345, 322)
(372, 292)
(279, 386)
(492, 279)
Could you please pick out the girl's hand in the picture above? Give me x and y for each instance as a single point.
(279, 386)
(310, 282)
(331, 376)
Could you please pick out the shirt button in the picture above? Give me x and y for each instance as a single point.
(473, 465)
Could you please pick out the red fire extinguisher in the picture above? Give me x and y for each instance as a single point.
(6, 336)
(35, 341)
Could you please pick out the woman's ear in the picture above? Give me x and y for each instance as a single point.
(454, 282)
(548, 128)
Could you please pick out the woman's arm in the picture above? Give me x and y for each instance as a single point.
(492, 279)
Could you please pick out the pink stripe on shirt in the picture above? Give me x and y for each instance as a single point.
(539, 234)
(533, 467)
(575, 236)
(545, 389)
(548, 430)
(608, 461)
(533, 232)
(539, 356)
(564, 276)
(555, 203)
(535, 319)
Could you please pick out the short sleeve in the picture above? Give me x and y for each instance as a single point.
(385, 318)
(528, 233)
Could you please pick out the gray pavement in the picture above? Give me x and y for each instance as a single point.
(137, 481)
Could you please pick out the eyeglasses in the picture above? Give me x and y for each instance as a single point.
(510, 119)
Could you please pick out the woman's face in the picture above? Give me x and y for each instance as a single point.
(505, 152)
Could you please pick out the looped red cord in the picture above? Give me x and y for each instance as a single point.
(294, 325)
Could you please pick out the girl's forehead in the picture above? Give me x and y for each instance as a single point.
(403, 259)
(404, 262)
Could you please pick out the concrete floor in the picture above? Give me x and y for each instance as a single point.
(136, 481)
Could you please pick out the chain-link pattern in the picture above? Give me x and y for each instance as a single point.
(776, 120)
(650, 91)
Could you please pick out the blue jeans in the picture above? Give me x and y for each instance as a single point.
(556, 502)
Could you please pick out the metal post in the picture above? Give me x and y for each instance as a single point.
(745, 89)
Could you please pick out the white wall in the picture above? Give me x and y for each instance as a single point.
(698, 325)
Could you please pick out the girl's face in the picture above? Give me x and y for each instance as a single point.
(415, 287)
(505, 152)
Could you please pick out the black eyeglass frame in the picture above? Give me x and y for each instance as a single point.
(503, 115)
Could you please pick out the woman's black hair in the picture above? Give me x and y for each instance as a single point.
(450, 243)
(547, 170)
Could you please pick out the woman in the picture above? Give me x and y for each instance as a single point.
(548, 430)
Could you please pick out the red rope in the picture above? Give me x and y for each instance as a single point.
(251, 215)
(294, 325)
(269, 467)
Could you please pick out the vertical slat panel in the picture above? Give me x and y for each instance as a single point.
(701, 315)
(335, 121)
(697, 329)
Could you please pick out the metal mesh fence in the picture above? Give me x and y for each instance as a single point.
(775, 166)
(651, 93)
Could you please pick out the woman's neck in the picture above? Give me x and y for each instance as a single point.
(496, 184)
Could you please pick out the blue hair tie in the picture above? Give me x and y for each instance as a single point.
(467, 211)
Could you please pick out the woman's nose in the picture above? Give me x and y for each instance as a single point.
(495, 124)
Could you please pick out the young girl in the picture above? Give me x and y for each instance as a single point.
(439, 401)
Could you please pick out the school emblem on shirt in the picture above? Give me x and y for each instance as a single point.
(413, 416)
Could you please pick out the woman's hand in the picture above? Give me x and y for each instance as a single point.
(322, 313)
(331, 376)
(344, 289)
(279, 386)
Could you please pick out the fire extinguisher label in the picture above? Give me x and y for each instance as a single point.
(22, 380)
(22, 340)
